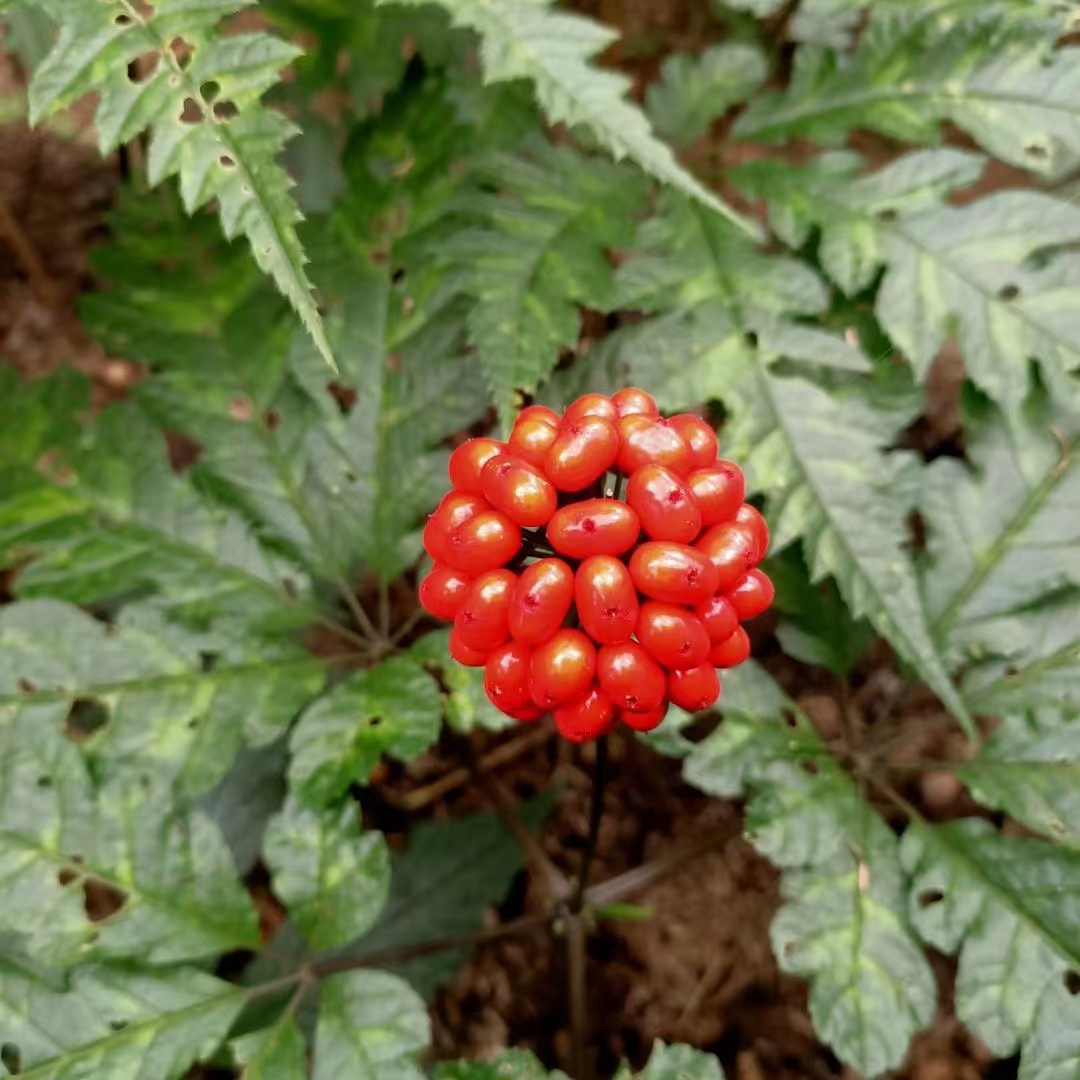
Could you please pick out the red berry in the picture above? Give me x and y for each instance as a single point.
(719, 491)
(484, 542)
(463, 654)
(561, 668)
(752, 596)
(645, 719)
(631, 401)
(584, 449)
(731, 548)
(541, 599)
(454, 510)
(585, 718)
(506, 677)
(699, 436)
(526, 715)
(631, 677)
(672, 635)
(481, 621)
(520, 490)
(589, 405)
(751, 517)
(593, 527)
(719, 618)
(652, 442)
(731, 653)
(607, 603)
(467, 461)
(442, 591)
(665, 505)
(674, 573)
(532, 434)
(694, 689)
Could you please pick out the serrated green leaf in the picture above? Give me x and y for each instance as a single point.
(465, 705)
(680, 1063)
(1030, 768)
(970, 269)
(232, 160)
(992, 562)
(694, 90)
(916, 67)
(372, 1026)
(552, 49)
(1052, 1052)
(332, 877)
(830, 483)
(536, 252)
(177, 709)
(843, 926)
(1011, 903)
(440, 887)
(148, 1025)
(509, 1065)
(390, 709)
(275, 1053)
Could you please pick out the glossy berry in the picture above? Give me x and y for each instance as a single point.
(652, 442)
(630, 677)
(699, 436)
(733, 652)
(442, 591)
(732, 549)
(751, 518)
(482, 620)
(467, 461)
(506, 677)
(590, 405)
(719, 617)
(672, 635)
(562, 668)
(674, 573)
(597, 609)
(541, 600)
(694, 689)
(465, 655)
(520, 490)
(532, 434)
(664, 504)
(718, 490)
(630, 401)
(586, 717)
(583, 450)
(752, 596)
(484, 542)
(606, 600)
(593, 527)
(645, 719)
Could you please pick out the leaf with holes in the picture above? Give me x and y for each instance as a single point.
(918, 66)
(144, 698)
(995, 268)
(552, 49)
(390, 709)
(1009, 905)
(168, 71)
(843, 926)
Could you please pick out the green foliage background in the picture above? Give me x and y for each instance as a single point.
(485, 184)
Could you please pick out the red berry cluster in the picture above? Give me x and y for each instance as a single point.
(528, 542)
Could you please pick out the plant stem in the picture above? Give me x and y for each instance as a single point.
(596, 812)
(578, 994)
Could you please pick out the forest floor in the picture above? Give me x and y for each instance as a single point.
(699, 969)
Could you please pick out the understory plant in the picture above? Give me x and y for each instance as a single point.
(442, 212)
